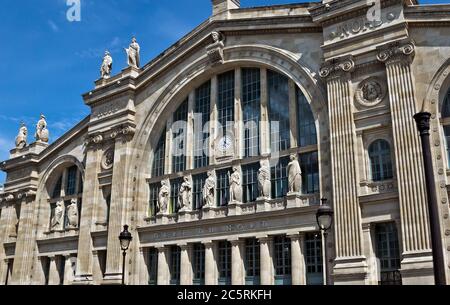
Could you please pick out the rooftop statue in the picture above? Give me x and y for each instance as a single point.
(106, 67)
(133, 54)
(21, 139)
(42, 134)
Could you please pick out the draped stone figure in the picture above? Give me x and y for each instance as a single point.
(163, 199)
(294, 175)
(42, 134)
(21, 139)
(208, 190)
(133, 54)
(57, 219)
(72, 214)
(106, 67)
(235, 185)
(184, 197)
(264, 183)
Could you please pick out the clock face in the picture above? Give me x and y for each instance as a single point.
(225, 143)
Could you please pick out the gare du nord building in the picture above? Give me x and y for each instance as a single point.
(343, 89)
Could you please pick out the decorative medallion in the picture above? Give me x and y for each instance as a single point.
(108, 159)
(371, 92)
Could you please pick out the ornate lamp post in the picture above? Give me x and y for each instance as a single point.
(423, 125)
(125, 239)
(324, 217)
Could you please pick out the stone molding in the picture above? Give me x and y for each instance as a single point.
(126, 131)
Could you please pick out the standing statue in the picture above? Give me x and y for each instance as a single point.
(235, 185)
(42, 134)
(133, 54)
(57, 220)
(21, 139)
(294, 175)
(208, 190)
(184, 197)
(72, 214)
(264, 183)
(163, 200)
(106, 67)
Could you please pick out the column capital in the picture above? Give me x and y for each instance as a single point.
(185, 246)
(236, 241)
(366, 226)
(67, 255)
(295, 235)
(396, 52)
(264, 238)
(337, 66)
(208, 243)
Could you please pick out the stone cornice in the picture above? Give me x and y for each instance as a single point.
(126, 131)
(397, 51)
(336, 66)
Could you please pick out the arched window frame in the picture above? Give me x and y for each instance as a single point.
(445, 123)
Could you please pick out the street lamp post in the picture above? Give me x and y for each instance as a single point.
(423, 125)
(125, 240)
(324, 217)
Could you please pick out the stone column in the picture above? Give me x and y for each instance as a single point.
(293, 113)
(53, 274)
(211, 271)
(350, 264)
(97, 275)
(213, 120)
(163, 266)
(68, 270)
(142, 266)
(416, 244)
(265, 124)
(168, 151)
(38, 271)
(4, 222)
(237, 262)
(238, 114)
(190, 132)
(266, 257)
(3, 271)
(90, 193)
(369, 252)
(298, 259)
(186, 269)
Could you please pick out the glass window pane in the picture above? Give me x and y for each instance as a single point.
(307, 134)
(175, 186)
(313, 259)
(388, 253)
(197, 192)
(278, 90)
(71, 181)
(280, 179)
(203, 109)
(225, 102)
(250, 182)
(159, 156)
(223, 187)
(309, 163)
(224, 263)
(199, 264)
(57, 189)
(175, 259)
(152, 266)
(179, 138)
(380, 160)
(251, 108)
(153, 203)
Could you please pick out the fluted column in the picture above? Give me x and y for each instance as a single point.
(163, 266)
(142, 266)
(264, 124)
(350, 262)
(68, 270)
(186, 269)
(213, 119)
(211, 272)
(298, 259)
(416, 241)
(97, 275)
(190, 132)
(53, 274)
(237, 262)
(266, 260)
(239, 116)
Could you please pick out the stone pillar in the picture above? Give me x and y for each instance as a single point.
(213, 120)
(266, 257)
(298, 259)
(90, 193)
(39, 271)
(163, 266)
(211, 271)
(68, 270)
(168, 150)
(4, 222)
(417, 267)
(237, 262)
(186, 269)
(3, 271)
(369, 252)
(142, 266)
(293, 113)
(53, 274)
(350, 264)
(97, 275)
(190, 132)
(238, 115)
(265, 124)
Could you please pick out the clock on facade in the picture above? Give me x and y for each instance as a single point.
(225, 144)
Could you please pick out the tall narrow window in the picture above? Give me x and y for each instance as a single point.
(282, 261)
(310, 172)
(175, 259)
(71, 181)
(388, 253)
(199, 264)
(153, 204)
(225, 102)
(252, 261)
(159, 156)
(197, 191)
(223, 187)
(380, 160)
(224, 263)
(313, 259)
(307, 134)
(250, 182)
(57, 188)
(174, 192)
(180, 118)
(203, 109)
(251, 108)
(280, 179)
(152, 266)
(278, 90)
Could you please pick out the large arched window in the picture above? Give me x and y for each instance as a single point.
(380, 160)
(274, 116)
(446, 124)
(65, 201)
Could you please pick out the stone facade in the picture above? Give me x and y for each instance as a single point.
(361, 79)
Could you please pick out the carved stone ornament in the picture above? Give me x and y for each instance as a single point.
(106, 67)
(215, 50)
(371, 91)
(42, 134)
(21, 139)
(396, 51)
(337, 65)
(108, 159)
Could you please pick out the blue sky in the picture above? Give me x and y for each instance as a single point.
(47, 62)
